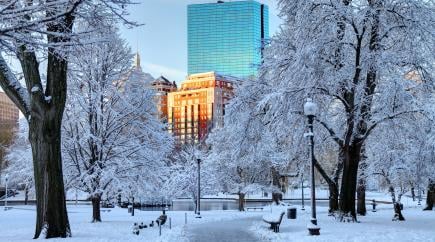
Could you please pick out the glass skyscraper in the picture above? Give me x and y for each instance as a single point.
(226, 37)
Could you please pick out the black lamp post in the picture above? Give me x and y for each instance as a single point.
(310, 109)
(198, 199)
(302, 185)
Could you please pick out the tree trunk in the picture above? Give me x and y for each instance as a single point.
(430, 200)
(96, 213)
(241, 201)
(45, 139)
(333, 198)
(276, 197)
(361, 196)
(352, 156)
(413, 193)
(333, 188)
(398, 212)
(26, 195)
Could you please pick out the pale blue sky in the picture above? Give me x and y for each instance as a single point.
(162, 40)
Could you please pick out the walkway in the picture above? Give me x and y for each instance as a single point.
(223, 231)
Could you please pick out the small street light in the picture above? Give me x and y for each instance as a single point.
(198, 199)
(310, 110)
(6, 191)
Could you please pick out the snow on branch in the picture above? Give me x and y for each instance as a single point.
(16, 92)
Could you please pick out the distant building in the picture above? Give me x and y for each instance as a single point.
(227, 37)
(9, 115)
(198, 106)
(163, 86)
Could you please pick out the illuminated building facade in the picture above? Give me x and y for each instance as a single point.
(163, 86)
(198, 106)
(227, 37)
(9, 115)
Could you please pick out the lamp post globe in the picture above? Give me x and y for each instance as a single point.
(310, 108)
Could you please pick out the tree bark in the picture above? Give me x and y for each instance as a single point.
(44, 136)
(430, 200)
(96, 212)
(241, 201)
(352, 156)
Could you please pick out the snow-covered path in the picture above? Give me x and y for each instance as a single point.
(223, 231)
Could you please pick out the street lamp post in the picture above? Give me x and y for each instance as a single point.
(6, 192)
(310, 109)
(303, 196)
(198, 199)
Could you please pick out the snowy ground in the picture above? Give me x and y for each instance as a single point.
(17, 224)
(378, 226)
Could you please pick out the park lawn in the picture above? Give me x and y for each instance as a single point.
(375, 226)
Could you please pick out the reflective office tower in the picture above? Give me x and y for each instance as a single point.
(226, 37)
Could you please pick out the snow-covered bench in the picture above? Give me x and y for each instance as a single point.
(274, 219)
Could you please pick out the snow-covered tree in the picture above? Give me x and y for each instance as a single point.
(183, 175)
(352, 57)
(19, 157)
(244, 154)
(35, 32)
(112, 139)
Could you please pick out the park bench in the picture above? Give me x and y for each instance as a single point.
(274, 220)
(254, 208)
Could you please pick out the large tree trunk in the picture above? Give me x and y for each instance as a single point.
(96, 213)
(241, 201)
(430, 200)
(44, 136)
(348, 183)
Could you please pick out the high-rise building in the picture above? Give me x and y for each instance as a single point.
(198, 106)
(227, 37)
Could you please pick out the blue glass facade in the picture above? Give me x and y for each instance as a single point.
(226, 37)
